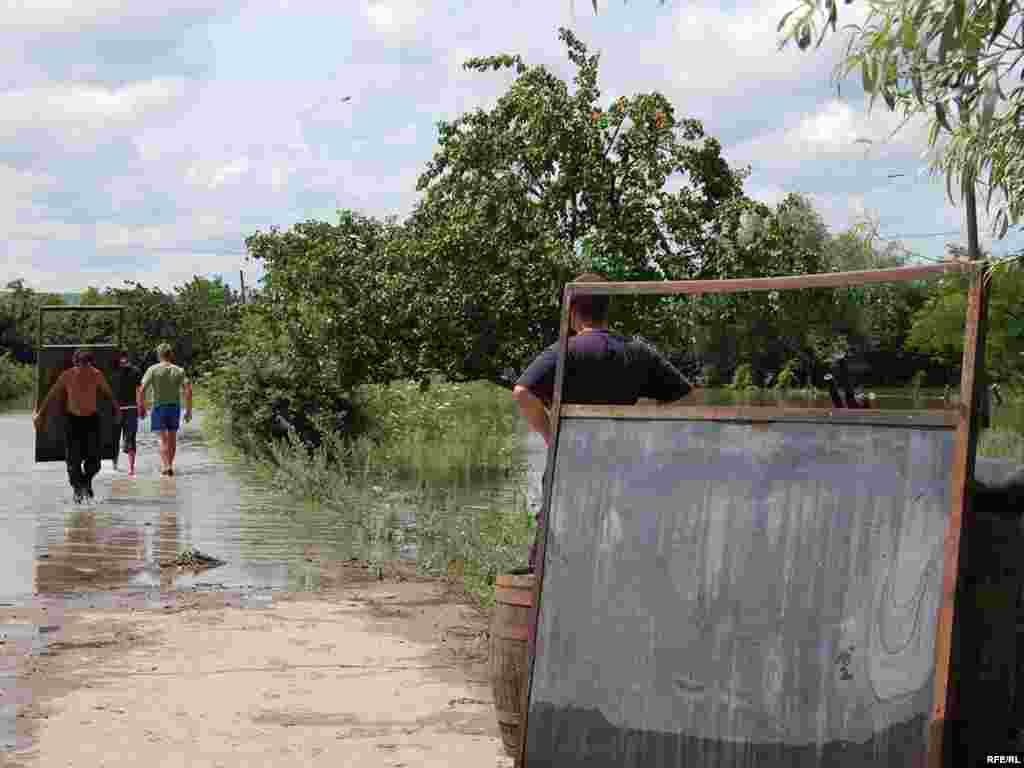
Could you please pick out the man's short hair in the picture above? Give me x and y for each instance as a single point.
(164, 351)
(83, 357)
(592, 309)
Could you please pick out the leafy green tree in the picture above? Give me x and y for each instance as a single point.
(938, 326)
(952, 61)
(333, 293)
(550, 182)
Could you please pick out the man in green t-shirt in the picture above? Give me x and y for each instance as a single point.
(167, 381)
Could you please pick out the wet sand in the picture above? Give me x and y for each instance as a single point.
(369, 673)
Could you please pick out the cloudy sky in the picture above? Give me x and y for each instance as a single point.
(145, 141)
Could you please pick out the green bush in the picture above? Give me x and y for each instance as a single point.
(788, 377)
(711, 376)
(743, 378)
(16, 380)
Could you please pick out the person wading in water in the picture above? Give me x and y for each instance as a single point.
(81, 384)
(127, 383)
(167, 381)
(602, 368)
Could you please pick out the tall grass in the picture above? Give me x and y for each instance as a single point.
(450, 453)
(447, 433)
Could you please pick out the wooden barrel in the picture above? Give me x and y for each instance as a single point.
(509, 633)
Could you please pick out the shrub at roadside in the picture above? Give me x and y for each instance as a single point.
(16, 380)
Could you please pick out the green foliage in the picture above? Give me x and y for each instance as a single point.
(938, 326)
(460, 433)
(335, 298)
(789, 376)
(16, 380)
(711, 376)
(489, 541)
(547, 184)
(446, 432)
(743, 378)
(951, 61)
(195, 319)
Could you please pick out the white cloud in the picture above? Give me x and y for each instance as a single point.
(79, 115)
(219, 174)
(397, 21)
(48, 15)
(837, 131)
(738, 50)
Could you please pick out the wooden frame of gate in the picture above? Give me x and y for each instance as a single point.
(964, 418)
(43, 387)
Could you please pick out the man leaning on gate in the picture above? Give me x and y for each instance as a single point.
(602, 368)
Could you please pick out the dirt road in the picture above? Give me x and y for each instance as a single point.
(390, 673)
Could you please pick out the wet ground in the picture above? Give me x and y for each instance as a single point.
(111, 555)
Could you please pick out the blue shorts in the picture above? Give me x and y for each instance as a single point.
(165, 418)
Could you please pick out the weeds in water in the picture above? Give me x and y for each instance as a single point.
(442, 469)
(488, 539)
(446, 433)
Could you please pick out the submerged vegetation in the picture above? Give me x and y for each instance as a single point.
(441, 469)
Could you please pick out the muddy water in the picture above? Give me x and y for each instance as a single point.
(220, 507)
(113, 552)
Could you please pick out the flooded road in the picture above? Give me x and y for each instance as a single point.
(218, 506)
(115, 552)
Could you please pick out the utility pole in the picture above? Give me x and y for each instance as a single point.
(241, 277)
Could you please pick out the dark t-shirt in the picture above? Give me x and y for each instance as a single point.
(604, 368)
(126, 380)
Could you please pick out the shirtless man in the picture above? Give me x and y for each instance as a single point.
(81, 386)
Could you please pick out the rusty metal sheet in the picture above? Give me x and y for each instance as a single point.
(52, 361)
(721, 595)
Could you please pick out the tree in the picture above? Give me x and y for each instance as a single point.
(938, 326)
(550, 182)
(330, 291)
(950, 60)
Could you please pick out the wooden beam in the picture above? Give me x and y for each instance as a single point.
(944, 706)
(824, 280)
(542, 532)
(941, 419)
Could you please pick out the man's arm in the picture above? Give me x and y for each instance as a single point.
(533, 410)
(104, 386)
(188, 399)
(141, 393)
(39, 417)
